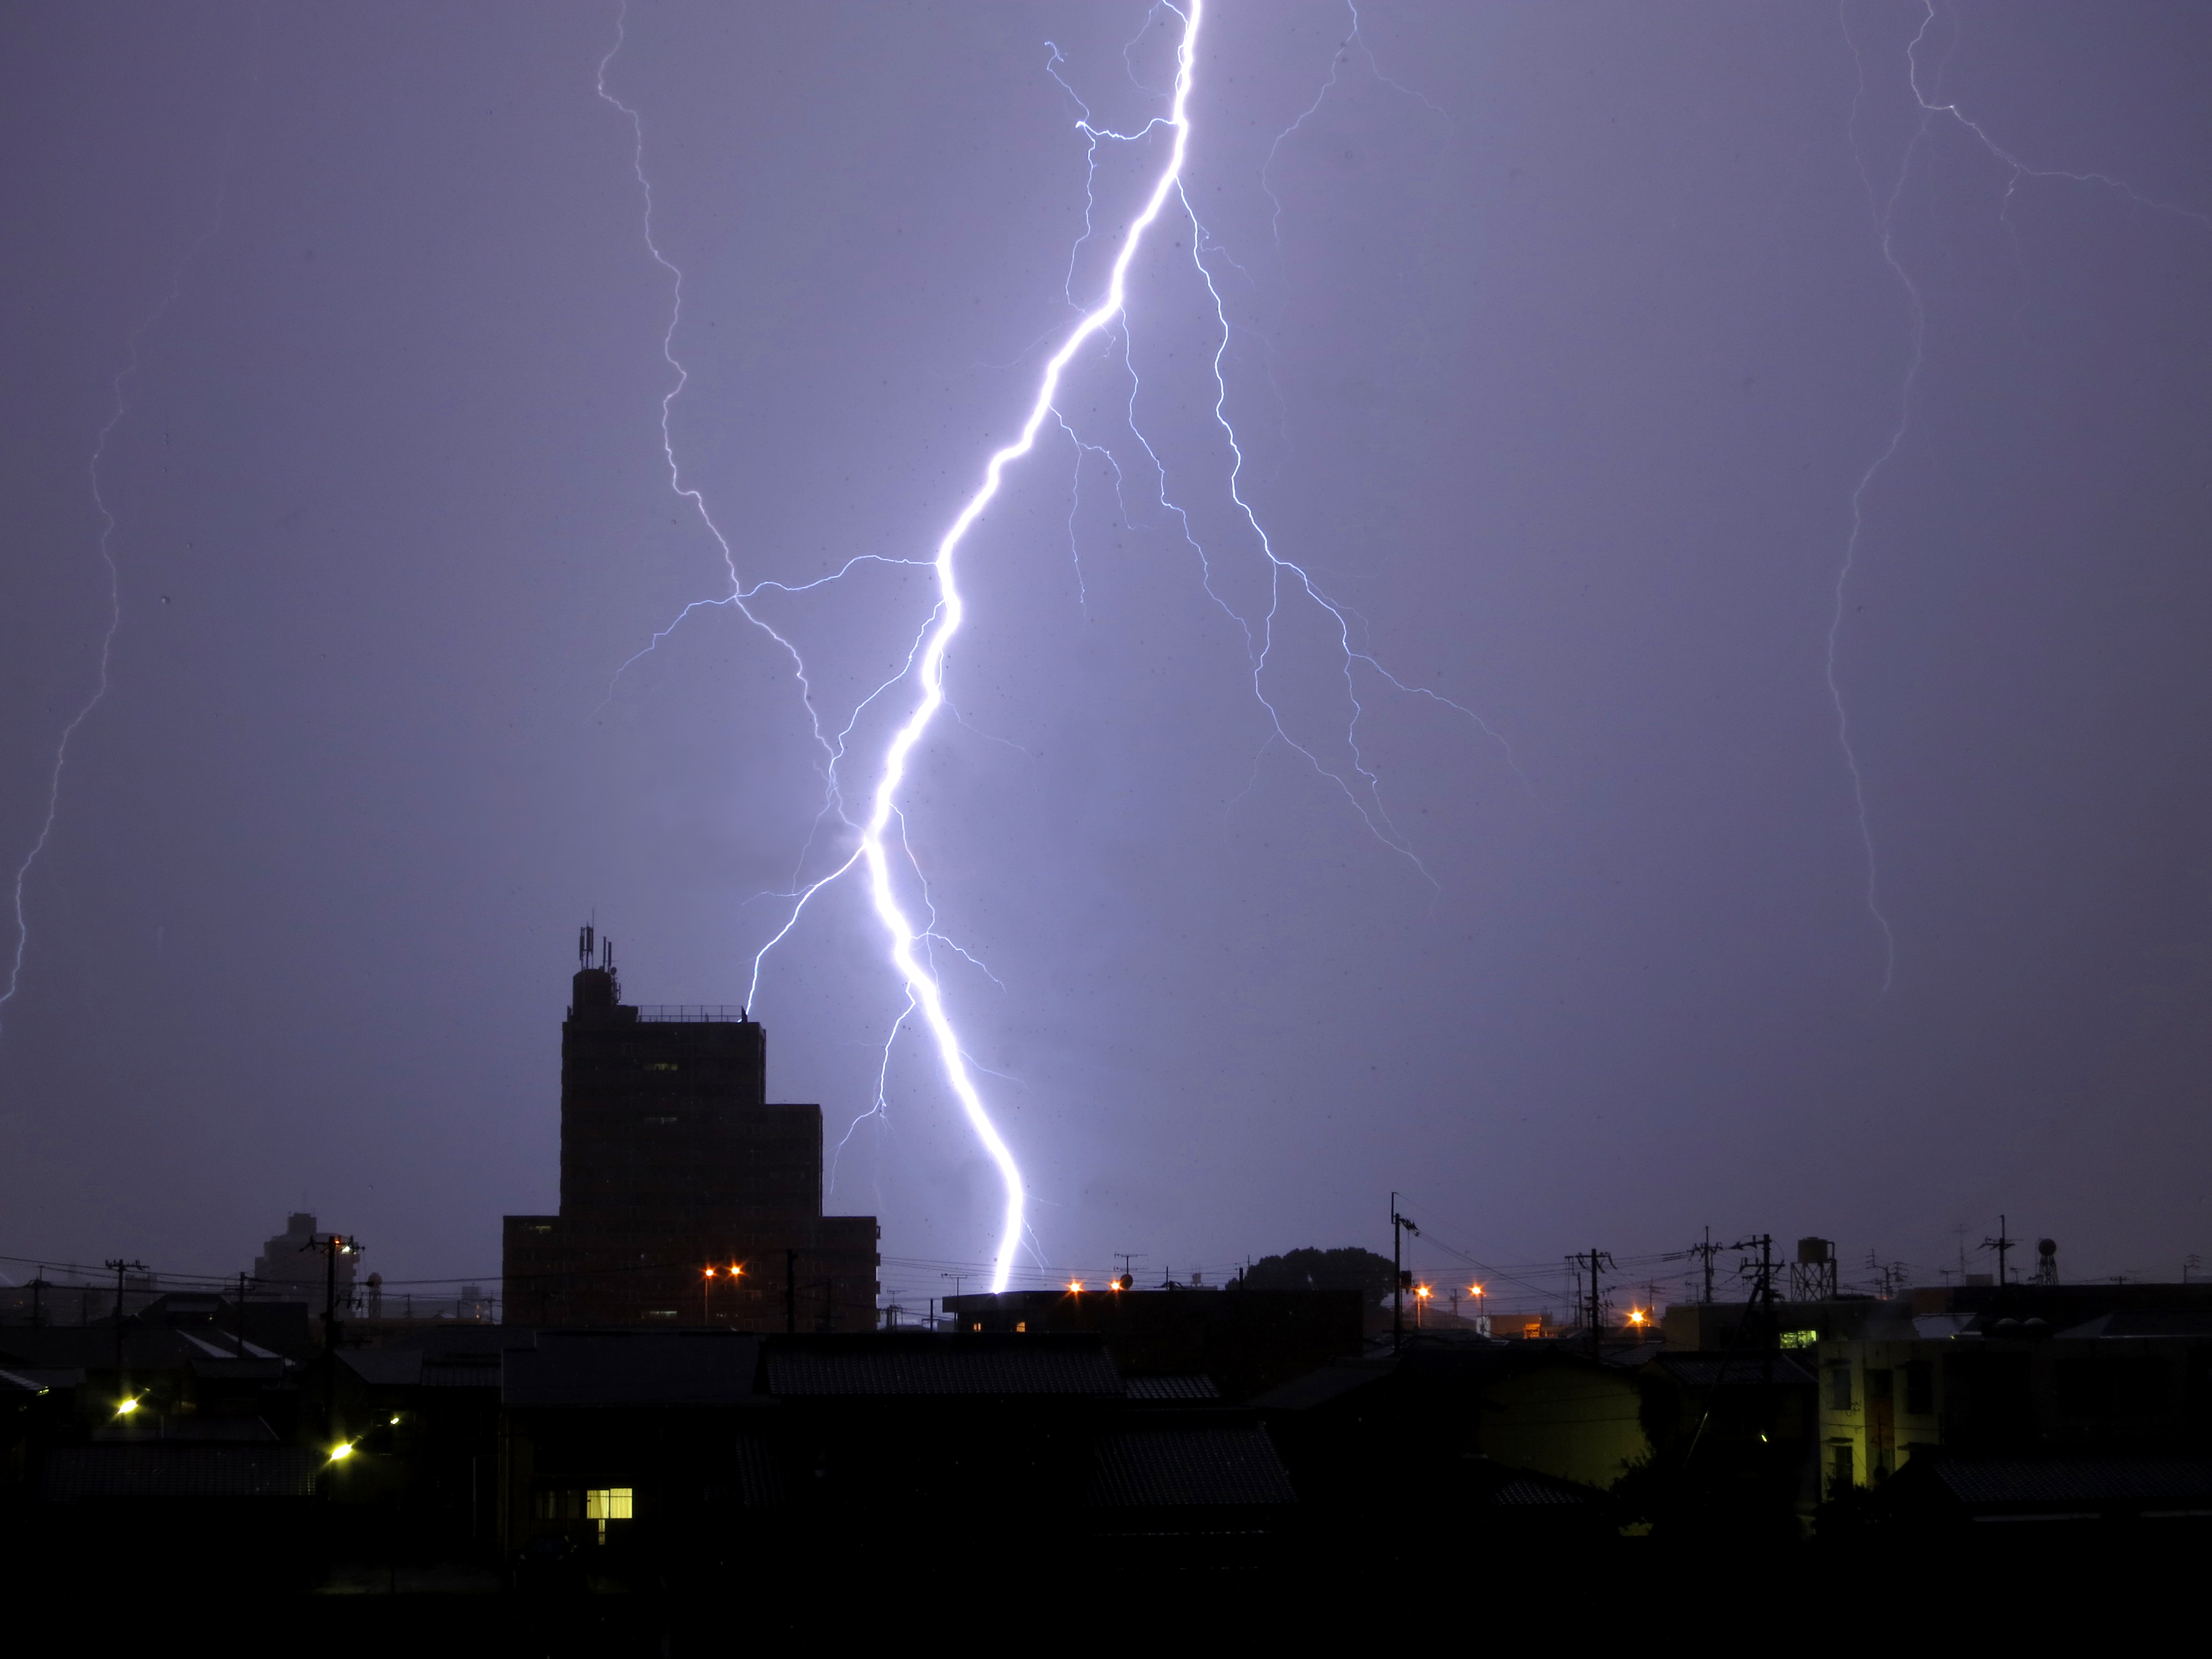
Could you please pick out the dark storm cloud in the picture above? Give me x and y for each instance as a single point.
(1576, 341)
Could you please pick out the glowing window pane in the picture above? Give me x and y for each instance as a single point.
(607, 1503)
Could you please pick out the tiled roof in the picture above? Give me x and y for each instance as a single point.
(179, 1470)
(1734, 1371)
(1182, 1385)
(29, 1379)
(628, 1368)
(760, 1478)
(385, 1368)
(1021, 1366)
(2078, 1480)
(1178, 1467)
(461, 1371)
(1533, 1491)
(1318, 1388)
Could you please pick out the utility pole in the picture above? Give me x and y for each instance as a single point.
(1759, 1313)
(1705, 1252)
(39, 1283)
(2001, 1245)
(791, 1292)
(241, 1316)
(332, 1245)
(1594, 1260)
(1399, 1225)
(122, 1388)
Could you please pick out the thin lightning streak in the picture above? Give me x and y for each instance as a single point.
(2019, 168)
(1387, 832)
(1883, 210)
(1366, 800)
(119, 406)
(737, 594)
(880, 1110)
(1335, 65)
(1075, 504)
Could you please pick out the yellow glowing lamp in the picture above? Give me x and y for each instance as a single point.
(735, 1270)
(125, 1407)
(1421, 1291)
(1074, 1284)
(342, 1450)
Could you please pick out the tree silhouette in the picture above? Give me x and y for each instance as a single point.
(1347, 1269)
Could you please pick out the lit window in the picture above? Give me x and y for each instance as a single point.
(662, 1066)
(1020, 1325)
(660, 1313)
(605, 1503)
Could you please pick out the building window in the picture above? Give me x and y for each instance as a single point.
(605, 1503)
(1920, 1387)
(1020, 1325)
(1840, 1469)
(1839, 1387)
(660, 1313)
(563, 1505)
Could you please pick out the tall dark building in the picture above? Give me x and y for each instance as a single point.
(672, 1163)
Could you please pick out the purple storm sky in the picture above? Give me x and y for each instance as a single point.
(1565, 343)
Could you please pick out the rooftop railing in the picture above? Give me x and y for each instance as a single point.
(670, 1013)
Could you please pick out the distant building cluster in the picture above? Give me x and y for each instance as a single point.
(688, 1388)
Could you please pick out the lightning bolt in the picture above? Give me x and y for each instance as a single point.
(899, 929)
(1882, 206)
(909, 944)
(879, 849)
(119, 406)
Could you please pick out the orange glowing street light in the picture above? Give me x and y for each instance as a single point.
(1074, 1284)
